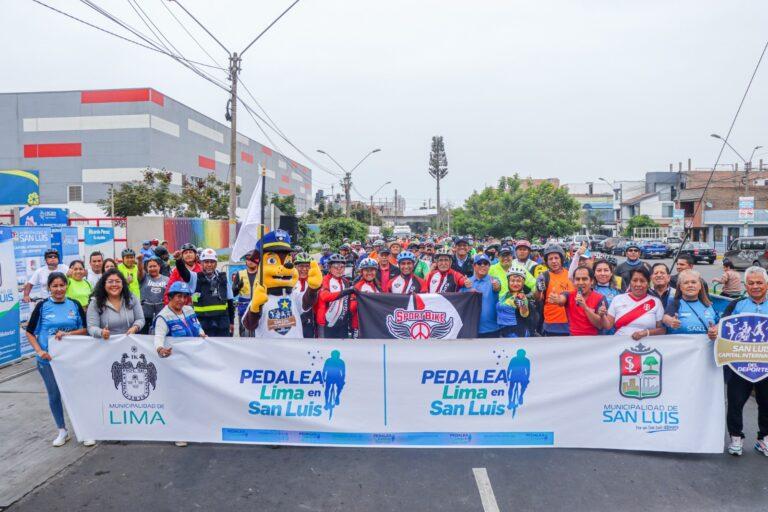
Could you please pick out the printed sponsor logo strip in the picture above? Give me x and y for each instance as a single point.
(246, 157)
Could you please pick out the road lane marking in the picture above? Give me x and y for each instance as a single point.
(485, 490)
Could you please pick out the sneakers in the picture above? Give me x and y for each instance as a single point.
(762, 447)
(62, 438)
(180, 444)
(737, 446)
(89, 442)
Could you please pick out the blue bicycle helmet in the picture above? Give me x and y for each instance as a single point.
(368, 263)
(406, 255)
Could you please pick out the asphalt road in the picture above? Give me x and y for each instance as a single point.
(162, 477)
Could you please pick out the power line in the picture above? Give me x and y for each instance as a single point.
(184, 27)
(269, 27)
(101, 29)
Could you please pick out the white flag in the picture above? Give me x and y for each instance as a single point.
(249, 230)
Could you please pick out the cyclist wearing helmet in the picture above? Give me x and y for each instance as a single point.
(212, 297)
(303, 261)
(394, 249)
(163, 257)
(406, 282)
(132, 272)
(242, 287)
(39, 278)
(333, 313)
(523, 255)
(445, 279)
(377, 245)
(501, 270)
(514, 308)
(350, 258)
(366, 284)
(550, 285)
(326, 253)
(422, 266)
(188, 255)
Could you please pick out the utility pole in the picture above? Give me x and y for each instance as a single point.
(371, 223)
(346, 182)
(234, 69)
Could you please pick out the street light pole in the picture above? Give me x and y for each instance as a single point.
(346, 180)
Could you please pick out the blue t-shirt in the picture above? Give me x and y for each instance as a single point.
(695, 317)
(608, 292)
(50, 317)
(490, 298)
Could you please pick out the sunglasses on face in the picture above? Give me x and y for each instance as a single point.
(482, 263)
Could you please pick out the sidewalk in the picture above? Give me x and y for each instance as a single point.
(26, 430)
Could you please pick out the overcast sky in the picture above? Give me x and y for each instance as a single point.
(571, 89)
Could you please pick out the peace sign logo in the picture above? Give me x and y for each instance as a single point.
(420, 331)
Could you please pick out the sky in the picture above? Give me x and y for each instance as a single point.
(572, 89)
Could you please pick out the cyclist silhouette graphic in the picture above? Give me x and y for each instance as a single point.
(518, 376)
(334, 375)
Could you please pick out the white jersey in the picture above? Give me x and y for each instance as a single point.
(281, 316)
(39, 280)
(650, 311)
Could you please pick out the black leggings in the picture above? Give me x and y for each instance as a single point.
(738, 391)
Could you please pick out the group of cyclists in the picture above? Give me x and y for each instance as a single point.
(527, 289)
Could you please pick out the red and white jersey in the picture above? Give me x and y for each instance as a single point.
(444, 282)
(406, 284)
(366, 286)
(633, 314)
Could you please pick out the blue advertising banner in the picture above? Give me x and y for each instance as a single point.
(10, 345)
(38, 216)
(64, 239)
(99, 239)
(29, 245)
(18, 187)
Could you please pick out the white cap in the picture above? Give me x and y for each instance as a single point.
(208, 255)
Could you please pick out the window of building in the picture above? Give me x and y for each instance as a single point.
(718, 234)
(666, 209)
(75, 193)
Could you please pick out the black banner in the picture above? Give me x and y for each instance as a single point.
(445, 316)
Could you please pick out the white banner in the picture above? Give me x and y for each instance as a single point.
(590, 392)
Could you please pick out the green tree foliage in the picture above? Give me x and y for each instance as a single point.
(593, 221)
(519, 209)
(639, 221)
(333, 230)
(207, 196)
(286, 204)
(151, 195)
(362, 214)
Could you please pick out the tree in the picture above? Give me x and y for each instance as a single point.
(208, 196)
(438, 167)
(333, 230)
(519, 209)
(151, 195)
(363, 214)
(593, 222)
(286, 204)
(639, 221)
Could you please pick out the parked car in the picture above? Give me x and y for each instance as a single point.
(594, 244)
(701, 251)
(673, 242)
(609, 243)
(748, 251)
(653, 249)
